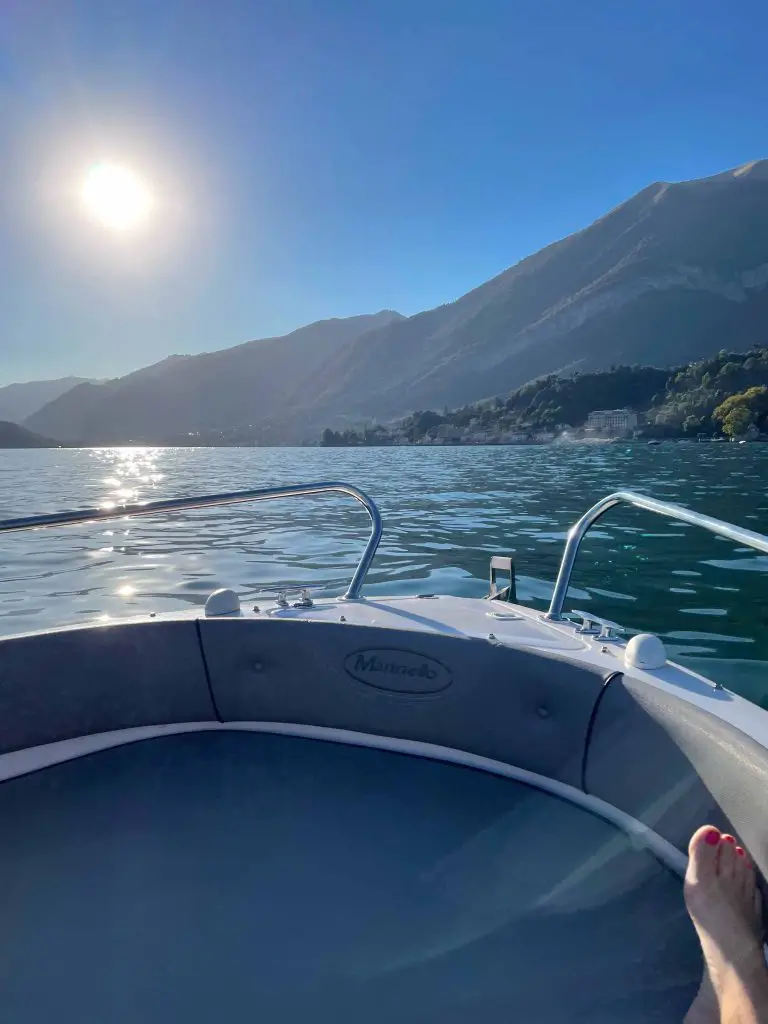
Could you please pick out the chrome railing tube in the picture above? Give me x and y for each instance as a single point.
(663, 508)
(149, 508)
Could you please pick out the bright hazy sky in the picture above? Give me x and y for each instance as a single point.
(316, 158)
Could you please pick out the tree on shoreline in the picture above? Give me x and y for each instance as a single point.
(742, 411)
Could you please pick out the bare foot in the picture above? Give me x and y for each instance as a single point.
(724, 903)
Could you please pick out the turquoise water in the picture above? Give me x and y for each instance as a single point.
(446, 510)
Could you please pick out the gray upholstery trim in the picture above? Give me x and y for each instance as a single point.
(74, 682)
(530, 709)
(675, 767)
(18, 763)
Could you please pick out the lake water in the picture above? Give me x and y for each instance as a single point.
(445, 510)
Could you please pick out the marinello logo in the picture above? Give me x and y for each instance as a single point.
(372, 663)
(398, 671)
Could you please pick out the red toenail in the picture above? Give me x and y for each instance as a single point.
(740, 851)
(713, 837)
(729, 839)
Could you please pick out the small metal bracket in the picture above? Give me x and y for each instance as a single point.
(587, 625)
(592, 625)
(304, 601)
(607, 634)
(502, 563)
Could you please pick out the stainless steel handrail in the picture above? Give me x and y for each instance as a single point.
(663, 508)
(149, 508)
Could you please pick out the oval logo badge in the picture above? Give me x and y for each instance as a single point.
(397, 671)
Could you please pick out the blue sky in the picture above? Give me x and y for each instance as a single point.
(327, 158)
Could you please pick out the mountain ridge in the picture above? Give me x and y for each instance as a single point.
(668, 240)
(666, 277)
(185, 394)
(18, 401)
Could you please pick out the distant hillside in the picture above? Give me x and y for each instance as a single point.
(18, 401)
(727, 393)
(14, 436)
(241, 386)
(667, 277)
(550, 404)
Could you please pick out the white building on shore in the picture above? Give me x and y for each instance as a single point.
(611, 422)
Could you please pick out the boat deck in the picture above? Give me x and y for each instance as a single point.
(225, 876)
(452, 616)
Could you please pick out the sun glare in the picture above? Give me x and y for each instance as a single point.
(116, 197)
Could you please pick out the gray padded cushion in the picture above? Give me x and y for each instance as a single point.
(529, 709)
(54, 686)
(234, 877)
(676, 767)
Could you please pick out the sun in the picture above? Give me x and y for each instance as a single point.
(116, 197)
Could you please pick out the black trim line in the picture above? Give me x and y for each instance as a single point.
(207, 673)
(591, 725)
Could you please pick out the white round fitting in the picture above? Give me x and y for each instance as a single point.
(645, 651)
(222, 602)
